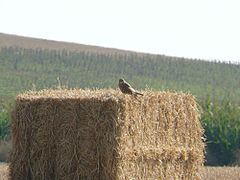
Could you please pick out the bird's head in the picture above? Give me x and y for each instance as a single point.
(121, 80)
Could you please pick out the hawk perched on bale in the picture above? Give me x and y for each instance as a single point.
(127, 88)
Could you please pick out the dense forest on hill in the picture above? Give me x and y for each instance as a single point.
(23, 69)
(27, 64)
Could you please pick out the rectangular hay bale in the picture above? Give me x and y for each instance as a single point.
(106, 135)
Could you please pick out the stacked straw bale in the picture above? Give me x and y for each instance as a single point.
(106, 135)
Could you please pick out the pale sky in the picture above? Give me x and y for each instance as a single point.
(208, 29)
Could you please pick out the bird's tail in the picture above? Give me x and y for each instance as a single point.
(138, 93)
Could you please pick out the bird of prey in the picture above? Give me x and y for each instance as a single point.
(127, 88)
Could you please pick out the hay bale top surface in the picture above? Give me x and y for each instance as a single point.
(68, 94)
(89, 93)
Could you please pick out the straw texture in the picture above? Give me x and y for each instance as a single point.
(105, 135)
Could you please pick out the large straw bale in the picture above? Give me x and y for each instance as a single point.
(106, 135)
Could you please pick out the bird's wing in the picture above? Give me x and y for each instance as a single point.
(127, 85)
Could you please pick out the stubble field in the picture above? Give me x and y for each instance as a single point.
(207, 173)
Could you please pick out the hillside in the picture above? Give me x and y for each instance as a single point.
(28, 63)
(7, 40)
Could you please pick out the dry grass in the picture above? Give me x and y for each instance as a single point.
(85, 134)
(220, 173)
(4, 171)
